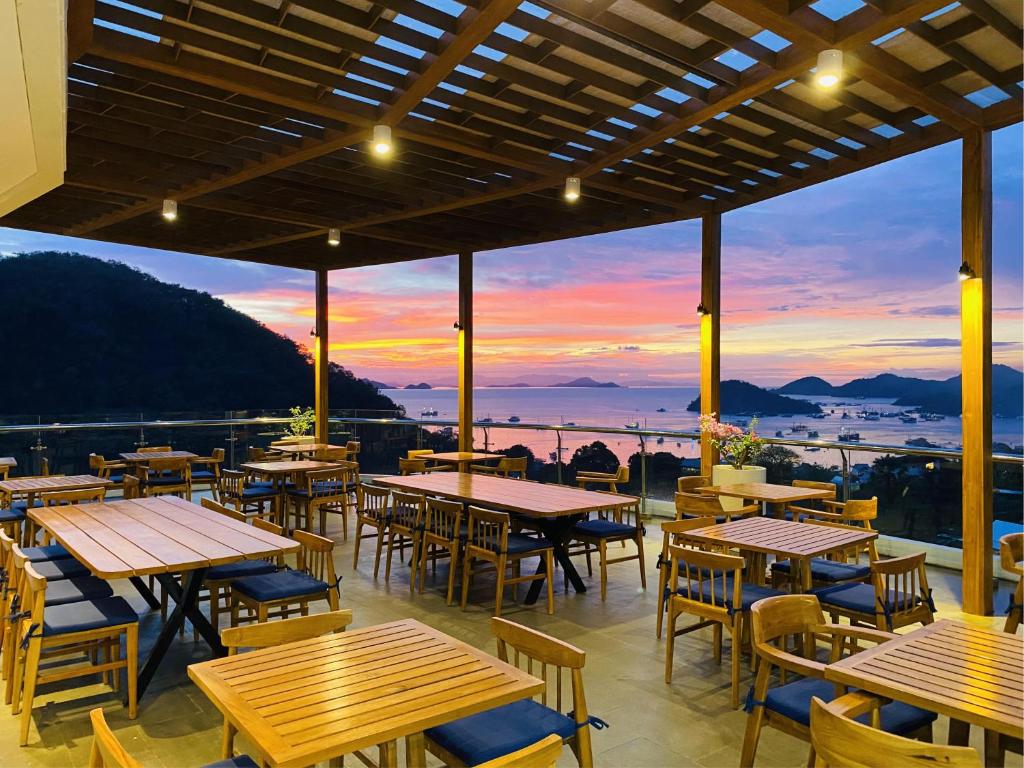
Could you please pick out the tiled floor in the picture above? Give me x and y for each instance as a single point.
(688, 723)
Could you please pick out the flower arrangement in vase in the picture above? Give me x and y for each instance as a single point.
(737, 447)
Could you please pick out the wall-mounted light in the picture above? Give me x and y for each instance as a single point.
(572, 188)
(170, 210)
(312, 333)
(382, 140)
(829, 71)
(702, 311)
(334, 237)
(965, 272)
(457, 326)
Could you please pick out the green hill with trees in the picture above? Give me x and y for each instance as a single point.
(82, 335)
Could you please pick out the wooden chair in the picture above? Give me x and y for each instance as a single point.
(106, 751)
(168, 477)
(690, 483)
(607, 526)
(114, 471)
(424, 454)
(838, 568)
(489, 539)
(505, 730)
(277, 633)
(797, 511)
(671, 535)
(405, 528)
(442, 530)
(412, 466)
(87, 624)
(372, 509)
(611, 480)
(840, 742)
(690, 505)
(506, 467)
(542, 754)
(251, 500)
(787, 707)
(709, 585)
(352, 448)
(897, 596)
(131, 487)
(853, 512)
(313, 579)
(81, 496)
(210, 476)
(1011, 558)
(323, 491)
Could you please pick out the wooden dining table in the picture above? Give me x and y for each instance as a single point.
(552, 509)
(160, 536)
(777, 497)
(797, 542)
(973, 675)
(30, 487)
(140, 457)
(462, 459)
(299, 449)
(309, 701)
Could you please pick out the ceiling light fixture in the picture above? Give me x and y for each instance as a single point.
(170, 210)
(382, 140)
(572, 188)
(830, 68)
(334, 237)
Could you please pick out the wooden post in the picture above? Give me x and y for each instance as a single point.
(710, 328)
(466, 351)
(976, 370)
(320, 357)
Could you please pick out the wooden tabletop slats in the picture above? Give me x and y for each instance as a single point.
(519, 496)
(306, 447)
(769, 492)
(51, 483)
(780, 537)
(460, 457)
(159, 535)
(958, 670)
(134, 456)
(316, 699)
(8, 461)
(286, 467)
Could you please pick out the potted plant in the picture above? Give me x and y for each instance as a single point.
(301, 422)
(736, 447)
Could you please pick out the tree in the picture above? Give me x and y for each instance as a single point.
(594, 457)
(779, 463)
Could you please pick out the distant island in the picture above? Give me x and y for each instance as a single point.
(379, 384)
(421, 385)
(741, 398)
(520, 385)
(935, 396)
(586, 381)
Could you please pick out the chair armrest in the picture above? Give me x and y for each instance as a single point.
(747, 511)
(834, 504)
(483, 469)
(595, 475)
(115, 465)
(857, 633)
(791, 662)
(854, 704)
(833, 516)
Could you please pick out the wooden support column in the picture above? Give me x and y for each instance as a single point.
(320, 357)
(465, 351)
(710, 328)
(976, 370)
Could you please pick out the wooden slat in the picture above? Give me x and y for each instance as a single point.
(780, 537)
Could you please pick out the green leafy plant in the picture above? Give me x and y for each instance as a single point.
(301, 422)
(736, 446)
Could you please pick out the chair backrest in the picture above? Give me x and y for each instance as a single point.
(817, 485)
(444, 518)
(622, 474)
(106, 750)
(540, 754)
(352, 447)
(690, 483)
(411, 466)
(215, 506)
(512, 465)
(97, 463)
(155, 449)
(232, 483)
(407, 509)
(774, 619)
(62, 498)
(274, 528)
(851, 553)
(519, 645)
(488, 529)
(316, 556)
(697, 505)
(132, 487)
(901, 583)
(273, 633)
(171, 466)
(252, 453)
(328, 483)
(1011, 552)
(840, 742)
(217, 456)
(671, 530)
(703, 577)
(418, 453)
(861, 510)
(331, 454)
(372, 501)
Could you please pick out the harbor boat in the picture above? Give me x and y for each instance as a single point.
(908, 419)
(486, 420)
(798, 428)
(568, 423)
(778, 433)
(660, 441)
(845, 415)
(846, 436)
(663, 410)
(513, 419)
(428, 412)
(813, 434)
(818, 415)
(813, 449)
(633, 425)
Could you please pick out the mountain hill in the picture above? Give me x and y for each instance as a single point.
(83, 335)
(741, 398)
(586, 381)
(936, 396)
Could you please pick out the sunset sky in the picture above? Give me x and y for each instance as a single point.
(853, 277)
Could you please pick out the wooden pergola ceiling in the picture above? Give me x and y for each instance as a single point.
(255, 115)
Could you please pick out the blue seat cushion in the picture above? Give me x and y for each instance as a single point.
(86, 615)
(117, 479)
(279, 585)
(12, 515)
(239, 761)
(240, 569)
(519, 544)
(54, 570)
(22, 506)
(325, 488)
(750, 594)
(74, 590)
(856, 597)
(793, 700)
(166, 480)
(603, 529)
(257, 492)
(829, 570)
(203, 474)
(500, 731)
(49, 552)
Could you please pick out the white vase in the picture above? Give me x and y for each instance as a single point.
(725, 474)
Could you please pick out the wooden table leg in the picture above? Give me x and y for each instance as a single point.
(388, 754)
(994, 755)
(777, 510)
(959, 733)
(415, 751)
(557, 531)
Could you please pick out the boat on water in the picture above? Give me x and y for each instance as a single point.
(633, 425)
(845, 415)
(513, 419)
(568, 423)
(486, 420)
(818, 415)
(932, 417)
(778, 433)
(813, 435)
(798, 428)
(908, 419)
(846, 436)
(660, 441)
(662, 410)
(813, 449)
(872, 417)
(428, 412)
